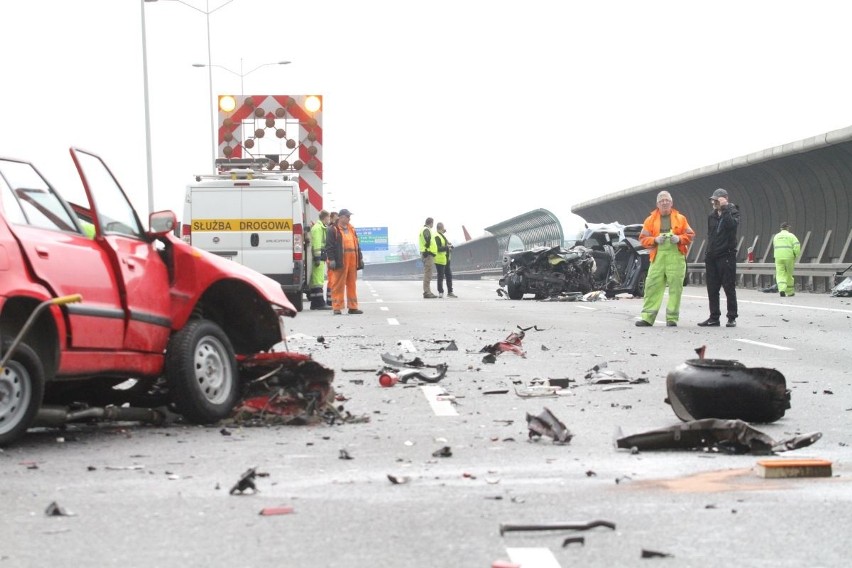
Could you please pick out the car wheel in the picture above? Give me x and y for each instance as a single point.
(640, 284)
(297, 299)
(21, 392)
(515, 286)
(201, 371)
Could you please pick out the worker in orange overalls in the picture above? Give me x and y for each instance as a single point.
(345, 260)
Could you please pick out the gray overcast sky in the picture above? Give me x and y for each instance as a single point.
(470, 111)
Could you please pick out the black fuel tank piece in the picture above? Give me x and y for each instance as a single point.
(726, 389)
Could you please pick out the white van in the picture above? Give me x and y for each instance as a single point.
(254, 218)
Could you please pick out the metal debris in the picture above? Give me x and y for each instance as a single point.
(655, 554)
(507, 527)
(246, 482)
(546, 424)
(445, 452)
(56, 510)
(581, 540)
(730, 436)
(344, 455)
(398, 480)
(512, 343)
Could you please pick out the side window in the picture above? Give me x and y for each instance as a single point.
(115, 213)
(40, 206)
(11, 208)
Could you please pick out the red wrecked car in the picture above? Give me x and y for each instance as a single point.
(89, 299)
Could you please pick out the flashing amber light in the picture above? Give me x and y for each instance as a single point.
(313, 103)
(227, 103)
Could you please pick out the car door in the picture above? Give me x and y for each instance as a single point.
(64, 259)
(139, 271)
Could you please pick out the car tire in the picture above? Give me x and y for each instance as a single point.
(297, 299)
(201, 371)
(21, 392)
(639, 291)
(515, 290)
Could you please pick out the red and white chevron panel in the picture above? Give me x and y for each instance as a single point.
(280, 122)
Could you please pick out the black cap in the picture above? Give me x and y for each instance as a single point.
(346, 212)
(785, 225)
(719, 193)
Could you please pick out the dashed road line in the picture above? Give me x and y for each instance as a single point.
(393, 321)
(538, 557)
(440, 406)
(384, 308)
(761, 344)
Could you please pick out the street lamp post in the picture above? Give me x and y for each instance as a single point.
(147, 113)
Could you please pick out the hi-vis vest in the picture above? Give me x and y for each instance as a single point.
(785, 245)
(432, 246)
(443, 250)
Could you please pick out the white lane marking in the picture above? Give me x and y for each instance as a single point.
(380, 301)
(586, 308)
(406, 345)
(440, 406)
(393, 321)
(782, 304)
(533, 557)
(384, 308)
(761, 344)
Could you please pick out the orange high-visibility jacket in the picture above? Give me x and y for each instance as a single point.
(680, 227)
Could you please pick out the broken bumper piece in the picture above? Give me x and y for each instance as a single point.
(731, 436)
(726, 389)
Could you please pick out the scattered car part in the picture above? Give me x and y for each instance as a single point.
(387, 378)
(581, 540)
(286, 388)
(782, 468)
(283, 510)
(408, 374)
(56, 510)
(344, 455)
(398, 480)
(726, 389)
(731, 436)
(509, 527)
(246, 482)
(546, 424)
(444, 452)
(655, 554)
(394, 361)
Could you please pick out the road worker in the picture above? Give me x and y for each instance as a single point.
(442, 261)
(786, 249)
(344, 261)
(329, 274)
(428, 251)
(318, 237)
(667, 234)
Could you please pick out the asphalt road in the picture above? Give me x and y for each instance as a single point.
(159, 496)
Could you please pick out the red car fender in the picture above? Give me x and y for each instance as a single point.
(196, 270)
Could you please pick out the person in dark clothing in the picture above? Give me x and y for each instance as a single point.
(720, 260)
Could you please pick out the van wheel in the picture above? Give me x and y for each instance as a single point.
(201, 371)
(21, 392)
(296, 298)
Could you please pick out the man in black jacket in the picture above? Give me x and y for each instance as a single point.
(720, 260)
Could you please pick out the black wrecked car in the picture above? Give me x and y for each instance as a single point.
(607, 257)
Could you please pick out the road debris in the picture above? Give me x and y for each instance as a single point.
(286, 388)
(710, 434)
(271, 511)
(581, 540)
(512, 343)
(509, 527)
(344, 455)
(546, 424)
(785, 468)
(726, 389)
(655, 554)
(398, 480)
(600, 375)
(246, 482)
(445, 452)
(56, 510)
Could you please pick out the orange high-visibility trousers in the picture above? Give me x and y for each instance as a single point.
(344, 283)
